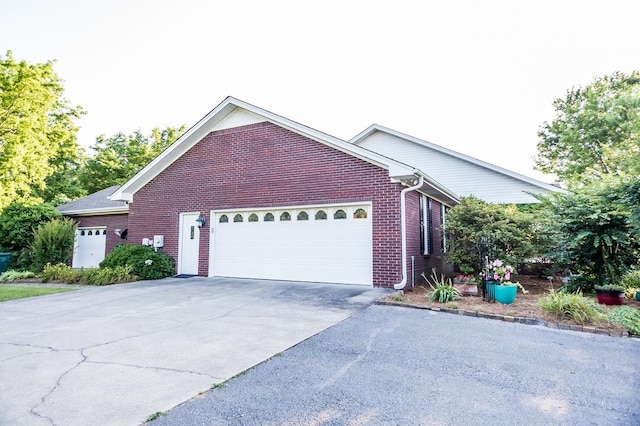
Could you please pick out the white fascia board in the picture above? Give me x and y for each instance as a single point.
(376, 127)
(96, 212)
(201, 129)
(173, 152)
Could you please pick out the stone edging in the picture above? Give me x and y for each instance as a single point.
(507, 318)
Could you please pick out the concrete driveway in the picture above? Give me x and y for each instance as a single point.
(116, 355)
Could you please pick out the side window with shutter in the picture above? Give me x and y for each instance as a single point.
(426, 225)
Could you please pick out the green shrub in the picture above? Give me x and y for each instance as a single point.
(573, 306)
(61, 273)
(17, 222)
(53, 242)
(631, 279)
(610, 287)
(107, 276)
(517, 235)
(627, 317)
(146, 263)
(444, 291)
(13, 275)
(594, 226)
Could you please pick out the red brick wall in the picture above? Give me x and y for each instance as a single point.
(111, 221)
(264, 165)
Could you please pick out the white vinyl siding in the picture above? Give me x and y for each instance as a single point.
(462, 177)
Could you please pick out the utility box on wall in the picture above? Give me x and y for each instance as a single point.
(158, 241)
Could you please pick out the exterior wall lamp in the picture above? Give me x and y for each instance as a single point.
(201, 221)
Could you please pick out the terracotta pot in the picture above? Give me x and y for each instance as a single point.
(466, 289)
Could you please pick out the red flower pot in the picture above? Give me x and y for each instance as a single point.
(610, 297)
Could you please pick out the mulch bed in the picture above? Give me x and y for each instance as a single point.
(525, 308)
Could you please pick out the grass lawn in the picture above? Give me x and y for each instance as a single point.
(10, 292)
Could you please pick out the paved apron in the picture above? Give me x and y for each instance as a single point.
(115, 355)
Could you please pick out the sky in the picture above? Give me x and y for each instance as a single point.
(475, 76)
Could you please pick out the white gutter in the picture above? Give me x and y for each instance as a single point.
(403, 230)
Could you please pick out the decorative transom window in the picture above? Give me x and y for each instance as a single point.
(238, 218)
(104, 232)
(253, 217)
(82, 232)
(90, 233)
(303, 216)
(321, 215)
(268, 217)
(224, 218)
(340, 214)
(285, 216)
(360, 214)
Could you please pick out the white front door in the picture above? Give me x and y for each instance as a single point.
(89, 247)
(189, 244)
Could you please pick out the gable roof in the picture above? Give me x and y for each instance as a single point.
(444, 165)
(97, 203)
(233, 112)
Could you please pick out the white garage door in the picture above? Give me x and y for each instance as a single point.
(89, 247)
(330, 244)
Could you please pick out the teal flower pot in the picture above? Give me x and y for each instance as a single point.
(506, 294)
(491, 290)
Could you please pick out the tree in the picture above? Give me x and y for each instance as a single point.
(17, 223)
(120, 157)
(37, 127)
(512, 230)
(596, 131)
(595, 229)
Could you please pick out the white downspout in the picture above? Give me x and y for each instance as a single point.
(403, 230)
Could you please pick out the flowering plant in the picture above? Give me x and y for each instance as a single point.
(498, 271)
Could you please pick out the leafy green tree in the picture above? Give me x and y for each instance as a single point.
(121, 156)
(36, 127)
(17, 223)
(595, 230)
(596, 131)
(513, 232)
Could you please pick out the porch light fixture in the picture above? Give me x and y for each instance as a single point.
(201, 221)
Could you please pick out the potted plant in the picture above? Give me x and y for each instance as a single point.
(504, 289)
(610, 294)
(467, 285)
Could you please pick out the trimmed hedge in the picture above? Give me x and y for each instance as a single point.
(145, 262)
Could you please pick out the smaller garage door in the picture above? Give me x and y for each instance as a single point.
(89, 247)
(330, 243)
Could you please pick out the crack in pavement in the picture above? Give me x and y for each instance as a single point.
(142, 367)
(43, 399)
(39, 350)
(343, 370)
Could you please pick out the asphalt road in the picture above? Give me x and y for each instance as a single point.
(398, 366)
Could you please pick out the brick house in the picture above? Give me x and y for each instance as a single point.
(248, 193)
